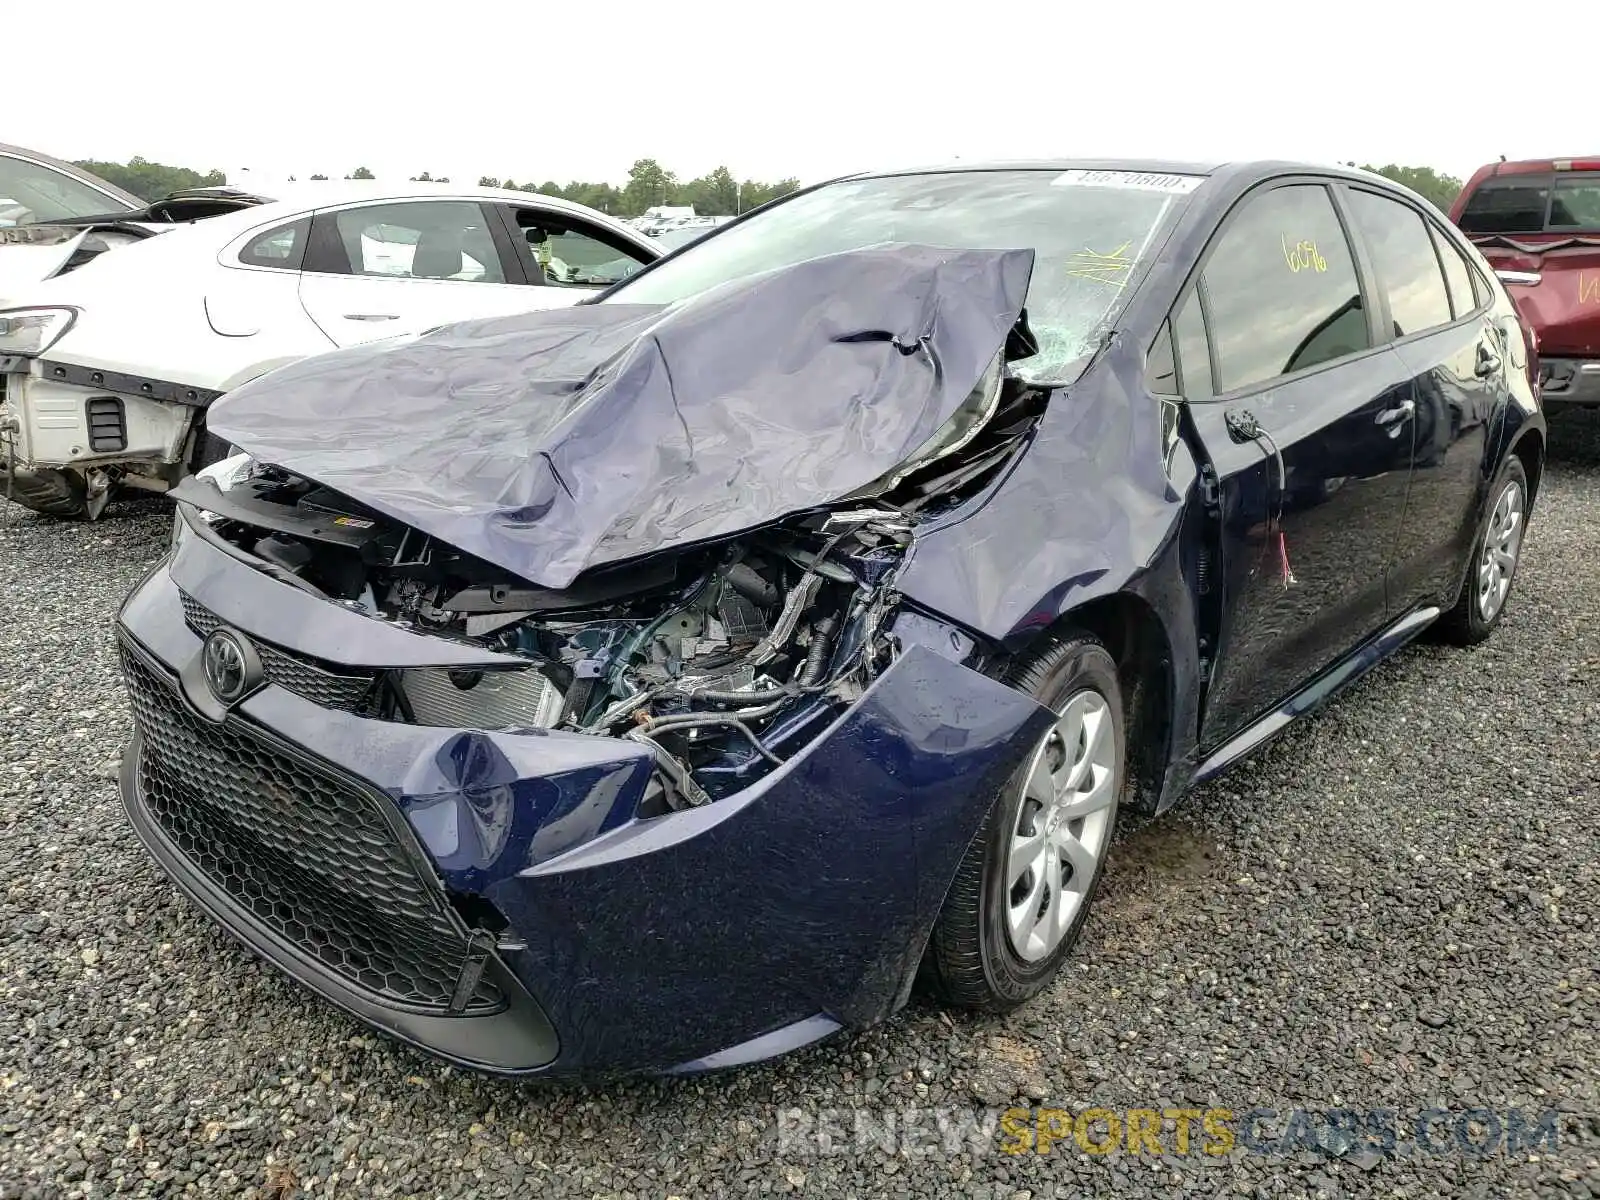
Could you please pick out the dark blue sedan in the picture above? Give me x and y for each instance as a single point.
(671, 681)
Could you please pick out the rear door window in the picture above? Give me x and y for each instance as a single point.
(419, 239)
(1282, 292)
(1405, 260)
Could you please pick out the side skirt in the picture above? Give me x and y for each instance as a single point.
(1318, 692)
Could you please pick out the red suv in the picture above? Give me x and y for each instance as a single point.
(1538, 224)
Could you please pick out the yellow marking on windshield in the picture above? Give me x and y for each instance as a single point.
(1112, 268)
(1303, 256)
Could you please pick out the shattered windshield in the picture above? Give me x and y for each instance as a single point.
(1089, 230)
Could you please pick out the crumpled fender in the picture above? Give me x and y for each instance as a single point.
(813, 891)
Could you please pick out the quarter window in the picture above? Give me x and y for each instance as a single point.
(425, 239)
(1161, 371)
(283, 248)
(1405, 260)
(1194, 352)
(1281, 289)
(1458, 274)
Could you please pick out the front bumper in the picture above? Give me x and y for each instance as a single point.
(1569, 383)
(692, 941)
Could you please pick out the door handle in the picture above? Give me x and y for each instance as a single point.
(371, 316)
(1488, 362)
(1397, 415)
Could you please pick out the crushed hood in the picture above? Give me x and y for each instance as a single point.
(552, 442)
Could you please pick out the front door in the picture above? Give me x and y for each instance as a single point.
(1308, 438)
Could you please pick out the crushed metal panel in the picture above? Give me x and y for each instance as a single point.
(549, 443)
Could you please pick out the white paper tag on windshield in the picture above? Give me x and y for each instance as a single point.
(1139, 181)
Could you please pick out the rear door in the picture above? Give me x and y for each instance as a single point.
(1428, 298)
(1543, 232)
(377, 270)
(1300, 411)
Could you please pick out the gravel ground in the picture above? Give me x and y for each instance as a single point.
(1395, 906)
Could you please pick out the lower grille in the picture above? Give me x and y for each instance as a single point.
(290, 671)
(311, 856)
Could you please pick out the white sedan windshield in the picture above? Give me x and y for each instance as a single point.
(1089, 230)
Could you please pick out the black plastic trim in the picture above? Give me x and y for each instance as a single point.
(116, 381)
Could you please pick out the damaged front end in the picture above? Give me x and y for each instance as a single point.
(682, 787)
(721, 659)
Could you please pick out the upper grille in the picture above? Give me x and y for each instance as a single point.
(291, 671)
(310, 855)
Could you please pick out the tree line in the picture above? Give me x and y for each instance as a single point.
(715, 194)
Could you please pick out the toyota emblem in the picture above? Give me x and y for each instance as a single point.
(232, 669)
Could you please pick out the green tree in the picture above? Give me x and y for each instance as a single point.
(1441, 190)
(649, 184)
(319, 177)
(360, 173)
(601, 196)
(753, 193)
(715, 195)
(488, 181)
(148, 180)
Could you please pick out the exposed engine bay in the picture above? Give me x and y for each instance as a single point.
(723, 659)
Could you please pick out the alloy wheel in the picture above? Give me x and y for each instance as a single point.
(1502, 541)
(1063, 825)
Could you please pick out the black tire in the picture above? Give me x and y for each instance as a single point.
(50, 493)
(1465, 624)
(970, 961)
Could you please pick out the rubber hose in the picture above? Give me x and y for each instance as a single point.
(817, 653)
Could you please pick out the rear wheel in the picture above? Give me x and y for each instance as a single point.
(1023, 891)
(1495, 554)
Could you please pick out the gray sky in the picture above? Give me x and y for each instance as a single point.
(793, 87)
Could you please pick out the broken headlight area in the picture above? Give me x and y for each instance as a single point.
(721, 660)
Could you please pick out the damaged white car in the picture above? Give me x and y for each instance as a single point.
(106, 370)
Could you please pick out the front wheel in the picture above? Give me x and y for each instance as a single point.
(1023, 891)
(1495, 554)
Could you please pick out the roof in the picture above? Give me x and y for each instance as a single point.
(291, 200)
(1144, 165)
(342, 191)
(1541, 166)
